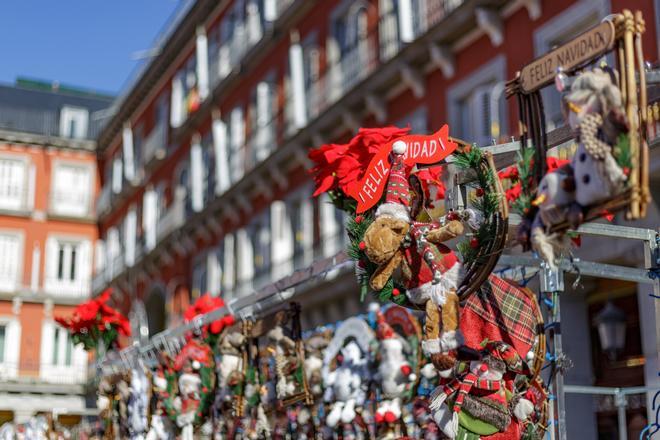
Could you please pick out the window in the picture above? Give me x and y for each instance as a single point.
(208, 178)
(3, 338)
(68, 266)
(10, 260)
(236, 144)
(476, 105)
(13, 183)
(557, 31)
(73, 122)
(61, 361)
(417, 121)
(260, 235)
(71, 190)
(262, 121)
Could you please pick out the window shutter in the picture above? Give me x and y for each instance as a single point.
(213, 273)
(47, 342)
(196, 176)
(264, 107)
(99, 256)
(282, 239)
(32, 181)
(129, 160)
(229, 266)
(52, 259)
(130, 235)
(406, 30)
(297, 84)
(245, 259)
(221, 156)
(176, 107)
(149, 207)
(36, 266)
(12, 346)
(308, 228)
(237, 141)
(480, 104)
(253, 22)
(117, 175)
(270, 10)
(329, 226)
(113, 248)
(202, 63)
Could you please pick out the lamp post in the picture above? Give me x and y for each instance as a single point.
(611, 323)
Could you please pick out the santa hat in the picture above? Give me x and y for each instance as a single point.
(397, 194)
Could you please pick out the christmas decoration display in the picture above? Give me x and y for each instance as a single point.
(95, 324)
(138, 403)
(347, 373)
(609, 170)
(205, 304)
(161, 426)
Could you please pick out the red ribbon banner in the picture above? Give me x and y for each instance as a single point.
(424, 149)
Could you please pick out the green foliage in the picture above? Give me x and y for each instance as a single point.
(621, 151)
(523, 203)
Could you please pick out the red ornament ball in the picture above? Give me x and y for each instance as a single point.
(480, 192)
(395, 292)
(358, 219)
(362, 245)
(474, 242)
(451, 216)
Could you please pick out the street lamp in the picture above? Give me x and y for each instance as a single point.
(611, 323)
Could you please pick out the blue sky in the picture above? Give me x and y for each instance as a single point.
(87, 43)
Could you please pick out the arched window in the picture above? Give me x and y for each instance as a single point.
(156, 311)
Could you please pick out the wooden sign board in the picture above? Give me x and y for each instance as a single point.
(587, 46)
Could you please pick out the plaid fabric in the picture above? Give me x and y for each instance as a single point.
(506, 313)
(398, 189)
(464, 387)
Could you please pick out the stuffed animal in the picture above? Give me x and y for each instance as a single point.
(230, 366)
(188, 400)
(481, 399)
(430, 270)
(160, 427)
(138, 404)
(596, 113)
(395, 373)
(345, 386)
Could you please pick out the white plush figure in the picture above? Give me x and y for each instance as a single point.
(344, 385)
(394, 371)
(313, 366)
(555, 195)
(231, 362)
(7, 431)
(189, 387)
(138, 404)
(160, 427)
(596, 113)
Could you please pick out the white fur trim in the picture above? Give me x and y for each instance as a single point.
(396, 210)
(451, 340)
(437, 398)
(446, 374)
(399, 147)
(374, 307)
(431, 346)
(437, 292)
(523, 409)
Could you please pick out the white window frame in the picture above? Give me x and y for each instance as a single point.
(73, 210)
(418, 120)
(11, 355)
(80, 286)
(70, 114)
(9, 285)
(493, 72)
(25, 198)
(61, 373)
(570, 22)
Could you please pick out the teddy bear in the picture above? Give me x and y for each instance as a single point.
(480, 399)
(395, 373)
(431, 271)
(345, 386)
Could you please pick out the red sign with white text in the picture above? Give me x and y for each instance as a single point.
(424, 149)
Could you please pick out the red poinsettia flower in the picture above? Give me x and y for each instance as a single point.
(205, 304)
(555, 163)
(337, 166)
(510, 173)
(431, 178)
(513, 193)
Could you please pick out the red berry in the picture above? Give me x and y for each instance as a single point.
(362, 245)
(452, 216)
(480, 192)
(358, 219)
(405, 369)
(395, 292)
(474, 243)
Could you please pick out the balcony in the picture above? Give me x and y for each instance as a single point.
(30, 373)
(70, 204)
(154, 148)
(67, 288)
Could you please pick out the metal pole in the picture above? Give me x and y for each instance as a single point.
(621, 403)
(552, 283)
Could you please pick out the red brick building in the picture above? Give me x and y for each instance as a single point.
(204, 163)
(48, 186)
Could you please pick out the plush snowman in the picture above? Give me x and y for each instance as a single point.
(344, 386)
(394, 372)
(596, 114)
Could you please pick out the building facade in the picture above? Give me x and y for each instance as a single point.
(204, 164)
(48, 186)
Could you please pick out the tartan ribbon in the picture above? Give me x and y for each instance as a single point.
(463, 387)
(418, 231)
